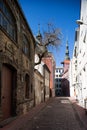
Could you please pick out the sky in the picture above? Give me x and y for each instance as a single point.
(61, 13)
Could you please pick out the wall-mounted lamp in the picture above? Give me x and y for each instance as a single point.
(80, 22)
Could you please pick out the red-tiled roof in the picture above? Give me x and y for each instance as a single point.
(66, 62)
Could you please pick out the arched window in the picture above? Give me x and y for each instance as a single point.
(26, 47)
(7, 20)
(27, 86)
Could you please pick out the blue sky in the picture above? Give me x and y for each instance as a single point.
(62, 13)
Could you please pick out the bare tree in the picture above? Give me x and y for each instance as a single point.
(52, 38)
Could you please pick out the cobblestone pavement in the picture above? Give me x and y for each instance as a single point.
(56, 115)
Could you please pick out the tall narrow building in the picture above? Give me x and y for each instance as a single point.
(65, 76)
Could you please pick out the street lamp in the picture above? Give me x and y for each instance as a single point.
(80, 22)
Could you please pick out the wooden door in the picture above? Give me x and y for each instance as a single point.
(6, 91)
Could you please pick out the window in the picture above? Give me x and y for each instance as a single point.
(84, 39)
(56, 80)
(60, 86)
(60, 75)
(56, 75)
(59, 80)
(7, 20)
(26, 48)
(32, 88)
(57, 70)
(76, 36)
(57, 86)
(27, 86)
(84, 69)
(75, 52)
(75, 67)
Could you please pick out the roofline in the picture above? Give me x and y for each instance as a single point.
(23, 15)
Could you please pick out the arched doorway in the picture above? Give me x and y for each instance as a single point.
(8, 92)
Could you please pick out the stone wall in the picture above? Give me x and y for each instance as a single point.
(39, 87)
(12, 55)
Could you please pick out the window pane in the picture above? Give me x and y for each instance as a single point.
(25, 45)
(1, 4)
(7, 20)
(4, 9)
(5, 23)
(0, 18)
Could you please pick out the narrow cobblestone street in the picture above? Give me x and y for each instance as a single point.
(58, 114)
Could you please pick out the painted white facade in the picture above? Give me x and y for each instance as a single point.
(39, 67)
(73, 70)
(71, 76)
(39, 81)
(81, 58)
(82, 55)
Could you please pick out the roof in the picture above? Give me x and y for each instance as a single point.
(65, 62)
(23, 15)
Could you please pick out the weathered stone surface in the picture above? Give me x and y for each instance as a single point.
(11, 54)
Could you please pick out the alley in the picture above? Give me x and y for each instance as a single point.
(58, 114)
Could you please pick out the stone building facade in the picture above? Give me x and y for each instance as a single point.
(46, 82)
(42, 83)
(41, 74)
(50, 62)
(39, 87)
(16, 61)
(39, 81)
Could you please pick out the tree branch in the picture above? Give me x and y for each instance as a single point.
(51, 38)
(40, 57)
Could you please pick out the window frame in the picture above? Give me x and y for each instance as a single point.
(26, 46)
(8, 21)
